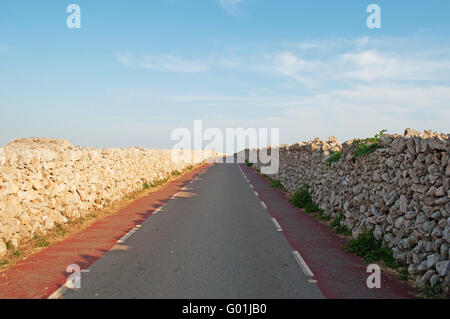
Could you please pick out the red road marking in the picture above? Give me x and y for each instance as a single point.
(339, 275)
(43, 273)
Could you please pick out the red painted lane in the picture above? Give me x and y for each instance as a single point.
(339, 275)
(43, 273)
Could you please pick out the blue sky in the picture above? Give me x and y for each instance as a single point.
(136, 70)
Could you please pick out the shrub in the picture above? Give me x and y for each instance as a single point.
(176, 173)
(301, 198)
(275, 183)
(145, 185)
(367, 146)
(41, 242)
(338, 228)
(367, 246)
(321, 216)
(333, 158)
(248, 163)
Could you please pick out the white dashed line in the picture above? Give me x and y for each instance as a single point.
(127, 235)
(263, 205)
(301, 262)
(256, 193)
(277, 225)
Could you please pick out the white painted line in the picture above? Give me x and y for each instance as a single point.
(127, 235)
(256, 193)
(252, 186)
(63, 289)
(276, 224)
(302, 264)
(263, 205)
(158, 210)
(59, 293)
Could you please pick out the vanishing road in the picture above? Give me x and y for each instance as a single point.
(214, 239)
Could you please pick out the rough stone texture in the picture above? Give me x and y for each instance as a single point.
(400, 191)
(48, 181)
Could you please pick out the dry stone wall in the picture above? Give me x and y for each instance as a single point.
(401, 192)
(47, 181)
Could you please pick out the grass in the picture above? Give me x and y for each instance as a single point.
(302, 199)
(322, 217)
(371, 249)
(176, 173)
(275, 183)
(41, 241)
(367, 146)
(435, 292)
(333, 158)
(338, 228)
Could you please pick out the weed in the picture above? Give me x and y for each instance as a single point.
(333, 158)
(16, 253)
(176, 173)
(145, 185)
(367, 146)
(301, 197)
(322, 217)
(60, 230)
(367, 246)
(338, 228)
(275, 183)
(41, 242)
(9, 245)
(3, 262)
(248, 163)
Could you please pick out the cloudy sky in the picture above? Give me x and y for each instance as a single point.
(136, 69)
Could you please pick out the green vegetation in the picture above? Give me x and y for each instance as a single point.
(367, 146)
(435, 292)
(145, 185)
(322, 217)
(9, 246)
(41, 242)
(338, 228)
(333, 158)
(248, 163)
(3, 262)
(367, 246)
(176, 173)
(302, 199)
(60, 230)
(275, 183)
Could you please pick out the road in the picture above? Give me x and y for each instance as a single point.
(212, 240)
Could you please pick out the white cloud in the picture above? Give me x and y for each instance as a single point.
(362, 66)
(230, 6)
(163, 62)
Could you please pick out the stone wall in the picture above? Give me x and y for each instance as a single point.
(401, 192)
(48, 181)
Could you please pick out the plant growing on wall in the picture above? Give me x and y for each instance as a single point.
(368, 145)
(333, 158)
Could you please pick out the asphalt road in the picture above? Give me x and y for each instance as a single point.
(214, 240)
